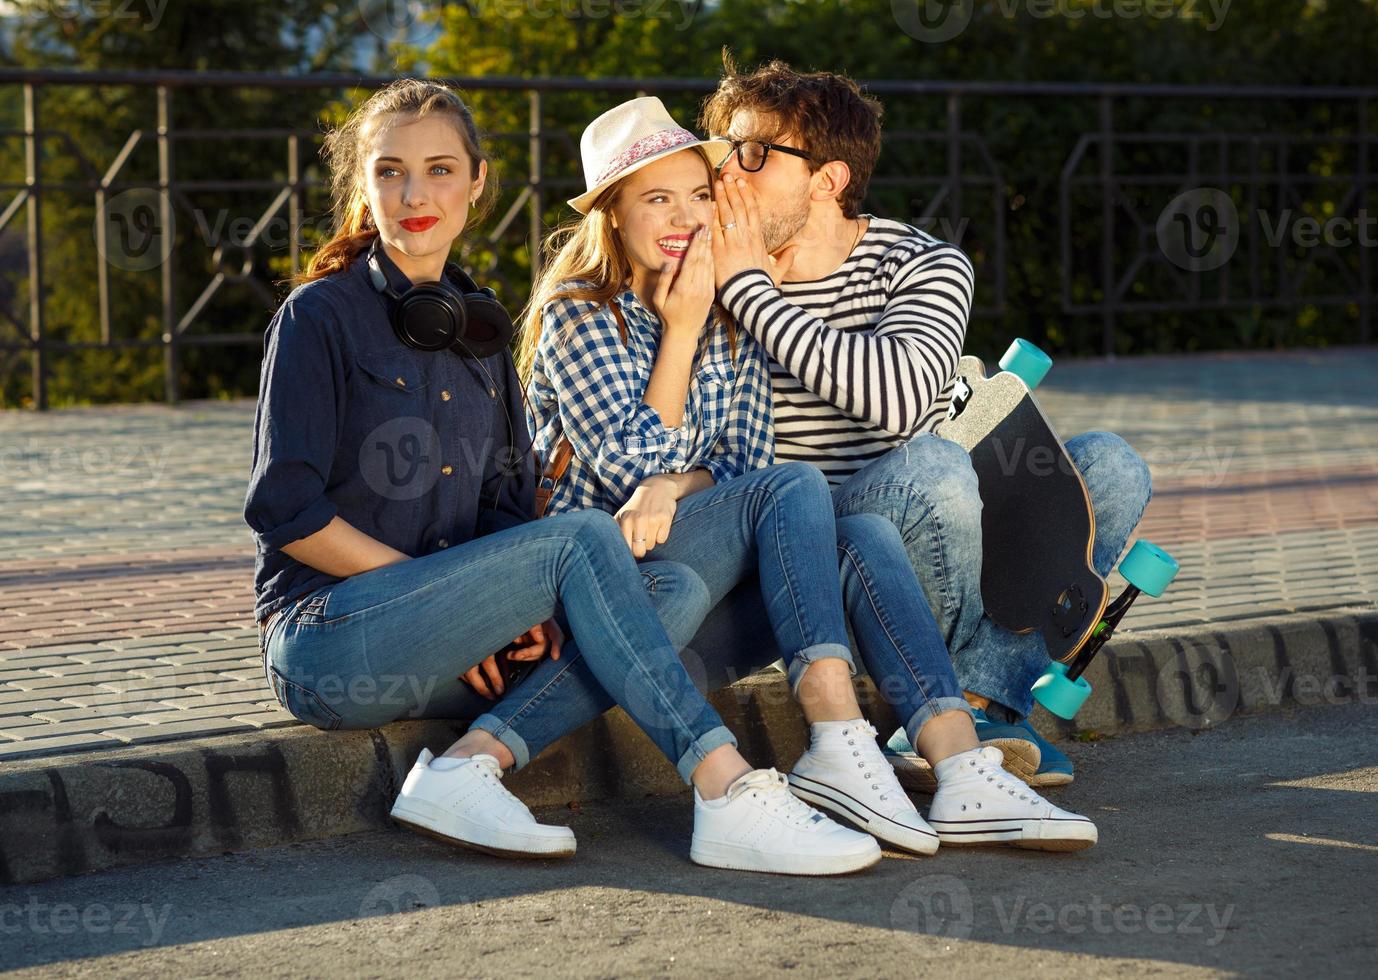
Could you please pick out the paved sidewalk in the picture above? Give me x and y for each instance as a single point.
(127, 569)
(1242, 852)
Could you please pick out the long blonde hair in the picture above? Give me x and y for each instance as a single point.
(345, 151)
(588, 250)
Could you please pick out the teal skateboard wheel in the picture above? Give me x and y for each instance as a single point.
(1059, 695)
(1148, 568)
(1026, 362)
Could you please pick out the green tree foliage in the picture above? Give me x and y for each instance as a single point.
(1012, 157)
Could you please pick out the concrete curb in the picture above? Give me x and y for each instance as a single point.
(84, 812)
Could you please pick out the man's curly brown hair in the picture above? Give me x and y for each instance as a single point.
(827, 115)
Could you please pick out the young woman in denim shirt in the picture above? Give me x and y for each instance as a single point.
(391, 503)
(666, 408)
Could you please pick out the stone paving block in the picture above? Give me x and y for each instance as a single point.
(28, 708)
(209, 659)
(83, 670)
(171, 639)
(227, 687)
(56, 649)
(276, 718)
(41, 683)
(101, 696)
(194, 701)
(10, 676)
(254, 673)
(37, 729)
(19, 661)
(132, 709)
(56, 746)
(172, 674)
(131, 683)
(17, 696)
(220, 709)
(115, 657)
(195, 728)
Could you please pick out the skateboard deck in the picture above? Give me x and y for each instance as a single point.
(1037, 525)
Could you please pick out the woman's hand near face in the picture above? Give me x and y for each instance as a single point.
(743, 245)
(684, 296)
(645, 519)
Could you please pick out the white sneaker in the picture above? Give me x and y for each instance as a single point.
(1022, 759)
(847, 775)
(760, 826)
(978, 802)
(468, 805)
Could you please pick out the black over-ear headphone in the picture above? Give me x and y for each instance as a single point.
(454, 314)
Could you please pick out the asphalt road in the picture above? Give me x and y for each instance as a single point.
(1251, 849)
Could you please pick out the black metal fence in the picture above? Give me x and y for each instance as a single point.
(1121, 251)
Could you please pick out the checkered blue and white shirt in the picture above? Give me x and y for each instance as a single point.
(585, 384)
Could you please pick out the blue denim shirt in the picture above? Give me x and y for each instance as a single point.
(411, 447)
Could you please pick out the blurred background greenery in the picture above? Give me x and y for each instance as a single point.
(1250, 42)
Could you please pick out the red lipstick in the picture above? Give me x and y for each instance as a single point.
(674, 254)
(419, 224)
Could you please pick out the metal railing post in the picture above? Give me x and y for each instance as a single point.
(954, 162)
(537, 194)
(33, 151)
(294, 202)
(1365, 269)
(170, 365)
(1107, 220)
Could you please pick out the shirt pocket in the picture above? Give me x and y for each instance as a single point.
(391, 429)
(713, 384)
(391, 371)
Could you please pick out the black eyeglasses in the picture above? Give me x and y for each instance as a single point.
(751, 154)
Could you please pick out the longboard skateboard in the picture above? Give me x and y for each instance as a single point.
(1038, 527)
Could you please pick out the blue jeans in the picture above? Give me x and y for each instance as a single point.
(770, 519)
(391, 643)
(928, 489)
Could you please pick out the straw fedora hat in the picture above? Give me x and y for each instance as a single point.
(624, 139)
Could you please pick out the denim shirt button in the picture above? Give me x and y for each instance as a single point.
(443, 543)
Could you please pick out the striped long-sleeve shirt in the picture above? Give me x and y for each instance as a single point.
(864, 358)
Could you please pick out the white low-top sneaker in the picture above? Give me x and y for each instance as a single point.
(469, 805)
(760, 826)
(978, 802)
(847, 775)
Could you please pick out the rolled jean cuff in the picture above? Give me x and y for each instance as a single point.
(712, 739)
(930, 710)
(819, 651)
(500, 730)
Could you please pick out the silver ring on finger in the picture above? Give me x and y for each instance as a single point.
(730, 225)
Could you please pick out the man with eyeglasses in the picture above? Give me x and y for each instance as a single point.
(864, 318)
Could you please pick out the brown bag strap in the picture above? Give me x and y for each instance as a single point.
(564, 451)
